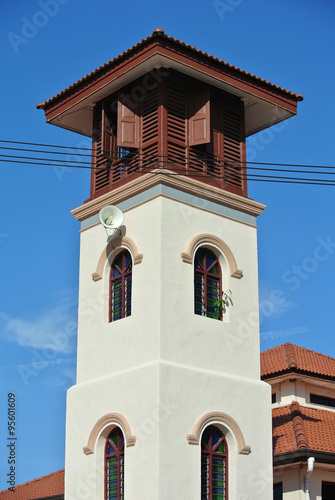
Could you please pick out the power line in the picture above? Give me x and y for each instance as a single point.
(44, 145)
(116, 153)
(144, 170)
(69, 164)
(194, 165)
(45, 152)
(168, 161)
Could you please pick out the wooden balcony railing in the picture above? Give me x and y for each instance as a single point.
(110, 172)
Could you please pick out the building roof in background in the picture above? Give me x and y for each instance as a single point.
(288, 358)
(297, 427)
(45, 487)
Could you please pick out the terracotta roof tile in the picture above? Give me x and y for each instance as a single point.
(296, 427)
(160, 33)
(289, 357)
(42, 487)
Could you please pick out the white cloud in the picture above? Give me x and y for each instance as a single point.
(54, 329)
(65, 378)
(273, 301)
(286, 332)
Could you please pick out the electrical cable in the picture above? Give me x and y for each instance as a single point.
(166, 161)
(250, 177)
(160, 156)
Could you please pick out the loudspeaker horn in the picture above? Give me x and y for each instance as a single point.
(111, 217)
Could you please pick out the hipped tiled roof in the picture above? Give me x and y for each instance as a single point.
(291, 358)
(297, 427)
(41, 488)
(160, 33)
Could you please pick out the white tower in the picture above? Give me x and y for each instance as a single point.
(168, 402)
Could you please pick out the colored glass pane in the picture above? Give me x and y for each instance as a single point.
(127, 260)
(216, 437)
(210, 259)
(215, 270)
(110, 449)
(221, 448)
(119, 261)
(116, 272)
(114, 439)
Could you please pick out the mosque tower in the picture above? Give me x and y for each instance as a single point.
(168, 402)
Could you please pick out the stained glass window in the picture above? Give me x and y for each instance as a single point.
(207, 284)
(114, 465)
(214, 458)
(120, 286)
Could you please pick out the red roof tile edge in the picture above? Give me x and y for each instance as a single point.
(285, 359)
(159, 32)
(50, 491)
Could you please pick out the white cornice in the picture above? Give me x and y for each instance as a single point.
(168, 178)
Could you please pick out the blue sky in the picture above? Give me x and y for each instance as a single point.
(45, 46)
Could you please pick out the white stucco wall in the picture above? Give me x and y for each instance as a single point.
(162, 402)
(162, 323)
(165, 367)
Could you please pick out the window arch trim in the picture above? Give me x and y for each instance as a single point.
(212, 418)
(105, 425)
(117, 243)
(210, 239)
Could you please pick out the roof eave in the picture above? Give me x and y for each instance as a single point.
(302, 455)
(283, 375)
(74, 106)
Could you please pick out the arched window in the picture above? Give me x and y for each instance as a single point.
(207, 284)
(120, 287)
(214, 465)
(114, 465)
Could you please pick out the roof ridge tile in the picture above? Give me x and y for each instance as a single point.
(290, 355)
(298, 425)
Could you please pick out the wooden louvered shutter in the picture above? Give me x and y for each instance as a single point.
(149, 147)
(102, 141)
(199, 118)
(106, 132)
(176, 125)
(233, 141)
(128, 124)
